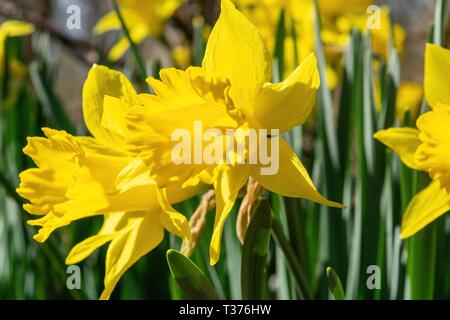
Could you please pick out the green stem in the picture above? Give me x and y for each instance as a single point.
(292, 260)
(134, 48)
(439, 22)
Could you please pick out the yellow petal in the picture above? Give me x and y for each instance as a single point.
(86, 247)
(135, 174)
(107, 232)
(114, 111)
(426, 206)
(101, 82)
(119, 49)
(437, 77)
(16, 28)
(92, 145)
(403, 141)
(236, 51)
(227, 186)
(171, 219)
(141, 235)
(287, 104)
(108, 22)
(292, 179)
(138, 33)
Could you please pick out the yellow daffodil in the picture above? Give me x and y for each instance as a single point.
(231, 90)
(427, 148)
(12, 28)
(143, 18)
(79, 177)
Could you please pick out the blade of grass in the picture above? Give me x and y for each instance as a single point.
(137, 55)
(47, 97)
(293, 263)
(198, 24)
(439, 22)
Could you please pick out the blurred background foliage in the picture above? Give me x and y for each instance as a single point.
(337, 146)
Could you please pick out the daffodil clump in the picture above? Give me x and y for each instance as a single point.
(125, 173)
(339, 18)
(258, 161)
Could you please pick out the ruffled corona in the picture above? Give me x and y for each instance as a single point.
(433, 155)
(79, 177)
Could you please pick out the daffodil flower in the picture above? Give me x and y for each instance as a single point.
(427, 148)
(231, 90)
(12, 28)
(143, 18)
(79, 177)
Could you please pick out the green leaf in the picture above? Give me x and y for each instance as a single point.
(198, 24)
(279, 48)
(48, 99)
(254, 254)
(335, 285)
(134, 49)
(190, 279)
(439, 22)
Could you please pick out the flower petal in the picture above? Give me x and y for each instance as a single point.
(426, 206)
(236, 51)
(108, 22)
(227, 185)
(292, 179)
(171, 219)
(141, 235)
(403, 141)
(437, 76)
(287, 104)
(16, 28)
(107, 232)
(101, 82)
